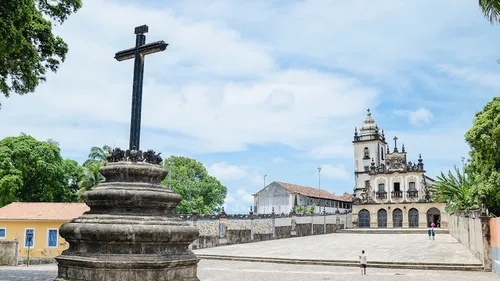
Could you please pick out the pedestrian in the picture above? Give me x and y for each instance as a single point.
(433, 233)
(363, 262)
(429, 232)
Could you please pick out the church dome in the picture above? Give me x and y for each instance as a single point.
(369, 130)
(369, 127)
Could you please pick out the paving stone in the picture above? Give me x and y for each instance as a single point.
(414, 248)
(253, 271)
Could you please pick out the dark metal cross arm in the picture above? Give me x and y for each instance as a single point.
(150, 48)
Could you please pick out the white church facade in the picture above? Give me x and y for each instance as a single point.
(390, 192)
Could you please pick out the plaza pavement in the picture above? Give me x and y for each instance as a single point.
(209, 270)
(383, 250)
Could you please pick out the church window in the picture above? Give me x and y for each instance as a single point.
(412, 186)
(381, 187)
(366, 153)
(367, 183)
(382, 153)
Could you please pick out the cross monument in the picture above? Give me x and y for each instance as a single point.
(138, 53)
(395, 144)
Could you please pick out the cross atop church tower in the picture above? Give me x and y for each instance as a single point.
(395, 144)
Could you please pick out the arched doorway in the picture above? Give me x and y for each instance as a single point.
(413, 218)
(397, 218)
(364, 219)
(433, 216)
(382, 218)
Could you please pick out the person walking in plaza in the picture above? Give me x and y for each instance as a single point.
(432, 230)
(363, 262)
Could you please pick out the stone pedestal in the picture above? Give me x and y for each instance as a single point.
(130, 232)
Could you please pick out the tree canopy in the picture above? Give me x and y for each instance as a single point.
(456, 191)
(484, 141)
(200, 192)
(34, 171)
(491, 10)
(28, 46)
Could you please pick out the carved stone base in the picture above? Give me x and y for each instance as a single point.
(130, 232)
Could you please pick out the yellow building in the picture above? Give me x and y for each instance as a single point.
(40, 221)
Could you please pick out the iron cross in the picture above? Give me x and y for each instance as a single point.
(138, 52)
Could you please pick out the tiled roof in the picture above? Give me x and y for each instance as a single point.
(311, 192)
(42, 211)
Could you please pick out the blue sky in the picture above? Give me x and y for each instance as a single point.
(270, 87)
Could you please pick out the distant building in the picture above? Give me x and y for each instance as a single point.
(284, 196)
(390, 192)
(41, 222)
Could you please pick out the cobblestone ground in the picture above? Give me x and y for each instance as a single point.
(415, 248)
(253, 271)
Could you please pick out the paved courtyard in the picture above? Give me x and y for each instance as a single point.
(252, 271)
(410, 248)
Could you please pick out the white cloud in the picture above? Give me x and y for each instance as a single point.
(225, 172)
(245, 196)
(192, 91)
(277, 160)
(416, 117)
(329, 151)
(229, 199)
(334, 172)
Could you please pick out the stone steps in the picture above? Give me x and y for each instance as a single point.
(393, 230)
(350, 263)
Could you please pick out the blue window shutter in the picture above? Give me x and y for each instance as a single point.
(29, 232)
(2, 232)
(52, 238)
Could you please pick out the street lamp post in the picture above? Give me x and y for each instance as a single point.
(319, 187)
(267, 193)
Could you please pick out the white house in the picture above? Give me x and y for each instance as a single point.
(284, 196)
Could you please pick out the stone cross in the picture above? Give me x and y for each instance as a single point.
(138, 53)
(395, 144)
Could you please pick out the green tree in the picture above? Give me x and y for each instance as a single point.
(200, 191)
(456, 191)
(28, 47)
(89, 174)
(34, 171)
(484, 141)
(491, 10)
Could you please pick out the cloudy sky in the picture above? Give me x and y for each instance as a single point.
(270, 87)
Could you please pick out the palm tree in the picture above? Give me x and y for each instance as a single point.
(491, 10)
(455, 190)
(90, 177)
(98, 154)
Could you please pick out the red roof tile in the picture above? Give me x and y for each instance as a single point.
(311, 192)
(42, 211)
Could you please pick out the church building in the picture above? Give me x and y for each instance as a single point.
(390, 192)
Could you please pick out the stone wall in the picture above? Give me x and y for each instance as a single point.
(8, 252)
(467, 229)
(234, 229)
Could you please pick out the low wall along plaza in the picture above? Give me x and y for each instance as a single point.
(235, 229)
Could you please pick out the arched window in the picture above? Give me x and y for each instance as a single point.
(367, 153)
(382, 153)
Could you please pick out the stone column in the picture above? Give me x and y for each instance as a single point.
(389, 217)
(312, 223)
(273, 222)
(251, 223)
(406, 222)
(324, 220)
(485, 226)
(293, 222)
(130, 232)
(222, 227)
